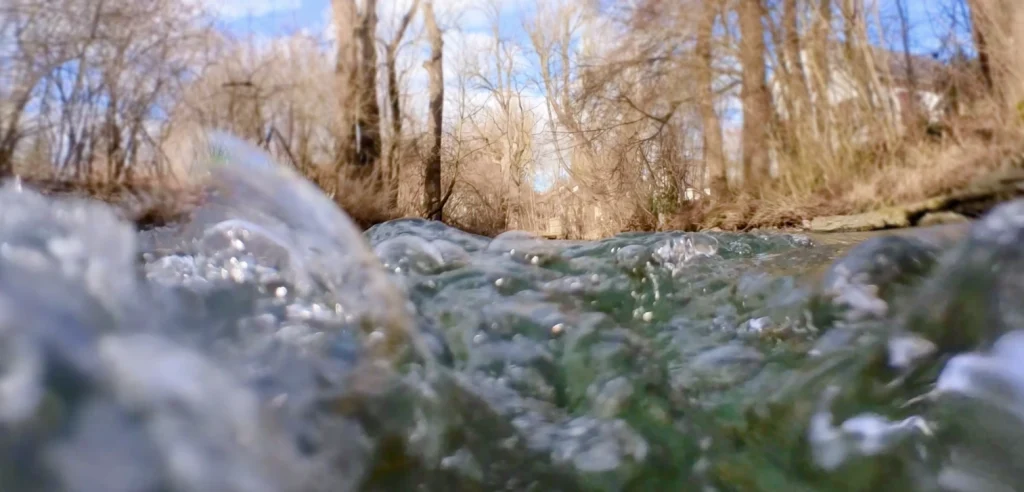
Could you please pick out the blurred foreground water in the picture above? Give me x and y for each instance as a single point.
(269, 346)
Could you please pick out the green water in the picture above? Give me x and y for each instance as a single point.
(718, 362)
(268, 346)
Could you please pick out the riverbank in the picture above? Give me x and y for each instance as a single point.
(949, 186)
(147, 201)
(953, 185)
(638, 362)
(158, 201)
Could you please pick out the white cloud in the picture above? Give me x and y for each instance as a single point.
(467, 15)
(237, 9)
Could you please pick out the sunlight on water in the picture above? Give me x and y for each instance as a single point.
(268, 345)
(325, 244)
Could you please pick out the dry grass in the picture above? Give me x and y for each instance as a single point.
(154, 201)
(901, 176)
(486, 224)
(904, 175)
(148, 202)
(366, 201)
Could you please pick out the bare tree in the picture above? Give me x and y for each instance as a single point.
(757, 103)
(714, 157)
(615, 101)
(394, 102)
(356, 69)
(432, 202)
(793, 79)
(793, 49)
(368, 144)
(24, 68)
(820, 77)
(86, 81)
(999, 35)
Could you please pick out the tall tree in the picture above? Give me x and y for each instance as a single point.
(999, 34)
(790, 79)
(853, 18)
(714, 157)
(908, 60)
(793, 52)
(368, 145)
(821, 74)
(432, 202)
(757, 103)
(394, 103)
(345, 15)
(356, 67)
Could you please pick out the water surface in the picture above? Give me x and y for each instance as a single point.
(268, 345)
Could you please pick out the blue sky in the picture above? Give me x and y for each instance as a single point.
(930, 21)
(277, 17)
(271, 17)
(281, 17)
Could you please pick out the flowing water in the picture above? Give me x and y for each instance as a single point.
(269, 346)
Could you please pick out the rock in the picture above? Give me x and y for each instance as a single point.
(874, 273)
(980, 392)
(975, 199)
(881, 219)
(941, 218)
(973, 296)
(722, 366)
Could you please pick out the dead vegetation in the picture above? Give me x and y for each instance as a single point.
(580, 119)
(857, 121)
(903, 177)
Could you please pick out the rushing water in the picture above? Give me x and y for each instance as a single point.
(268, 346)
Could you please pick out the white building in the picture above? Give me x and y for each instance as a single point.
(891, 85)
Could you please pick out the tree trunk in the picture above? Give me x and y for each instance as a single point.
(359, 145)
(345, 17)
(911, 113)
(999, 33)
(368, 146)
(821, 74)
(821, 36)
(757, 103)
(851, 11)
(393, 171)
(860, 58)
(794, 56)
(394, 103)
(792, 80)
(432, 176)
(113, 134)
(981, 45)
(714, 157)
(6, 163)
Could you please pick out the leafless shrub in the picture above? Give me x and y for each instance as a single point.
(626, 110)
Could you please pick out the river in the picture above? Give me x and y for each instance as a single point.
(267, 345)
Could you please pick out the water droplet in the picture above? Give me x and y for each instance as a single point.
(375, 337)
(279, 400)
